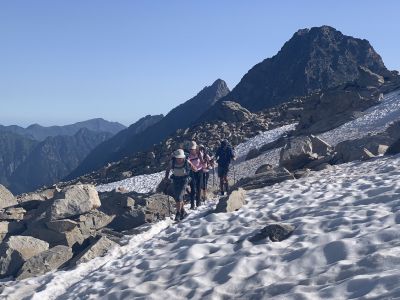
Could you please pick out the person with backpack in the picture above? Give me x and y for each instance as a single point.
(205, 171)
(195, 175)
(224, 156)
(181, 168)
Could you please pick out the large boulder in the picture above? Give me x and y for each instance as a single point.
(147, 208)
(16, 251)
(267, 178)
(297, 153)
(6, 197)
(99, 247)
(351, 150)
(231, 202)
(45, 261)
(70, 238)
(11, 228)
(74, 200)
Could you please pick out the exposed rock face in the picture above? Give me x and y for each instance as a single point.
(232, 202)
(313, 59)
(227, 111)
(181, 116)
(329, 109)
(74, 200)
(16, 251)
(45, 261)
(6, 197)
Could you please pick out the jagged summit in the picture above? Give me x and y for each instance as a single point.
(315, 58)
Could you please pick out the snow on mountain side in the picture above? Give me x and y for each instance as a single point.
(374, 120)
(345, 245)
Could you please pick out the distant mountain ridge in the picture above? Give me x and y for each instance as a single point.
(316, 58)
(126, 143)
(52, 159)
(40, 133)
(98, 157)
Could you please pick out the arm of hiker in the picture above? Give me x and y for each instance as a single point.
(167, 171)
(194, 169)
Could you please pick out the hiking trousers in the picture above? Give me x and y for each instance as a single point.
(195, 188)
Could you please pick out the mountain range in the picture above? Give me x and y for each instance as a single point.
(312, 60)
(35, 156)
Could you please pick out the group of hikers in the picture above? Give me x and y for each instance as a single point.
(191, 166)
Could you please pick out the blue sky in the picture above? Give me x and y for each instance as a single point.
(71, 60)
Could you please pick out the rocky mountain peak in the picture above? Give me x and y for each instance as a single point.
(313, 59)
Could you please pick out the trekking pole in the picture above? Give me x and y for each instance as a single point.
(169, 206)
(234, 174)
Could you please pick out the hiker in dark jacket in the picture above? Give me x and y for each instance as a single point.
(224, 156)
(180, 167)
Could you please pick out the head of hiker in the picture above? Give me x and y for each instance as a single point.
(224, 143)
(193, 147)
(179, 156)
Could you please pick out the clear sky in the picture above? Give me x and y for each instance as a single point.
(71, 60)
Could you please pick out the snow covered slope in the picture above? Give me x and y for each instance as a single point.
(346, 245)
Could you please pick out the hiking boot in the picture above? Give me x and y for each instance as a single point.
(198, 203)
(183, 215)
(192, 207)
(177, 216)
(222, 193)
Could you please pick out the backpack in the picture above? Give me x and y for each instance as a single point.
(185, 167)
(225, 155)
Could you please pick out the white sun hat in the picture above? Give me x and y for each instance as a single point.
(193, 145)
(179, 153)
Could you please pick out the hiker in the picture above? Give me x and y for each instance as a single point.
(205, 171)
(195, 175)
(224, 156)
(181, 168)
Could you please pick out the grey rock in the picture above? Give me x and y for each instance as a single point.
(351, 150)
(301, 173)
(319, 146)
(74, 200)
(275, 232)
(62, 225)
(231, 202)
(96, 249)
(128, 202)
(17, 250)
(297, 153)
(6, 197)
(67, 238)
(45, 261)
(264, 168)
(276, 175)
(12, 213)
